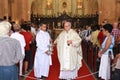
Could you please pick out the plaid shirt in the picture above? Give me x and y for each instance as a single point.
(115, 33)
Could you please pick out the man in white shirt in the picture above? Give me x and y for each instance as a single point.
(16, 35)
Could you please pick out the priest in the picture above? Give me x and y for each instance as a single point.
(69, 52)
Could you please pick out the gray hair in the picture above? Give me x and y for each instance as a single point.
(16, 27)
(66, 21)
(4, 28)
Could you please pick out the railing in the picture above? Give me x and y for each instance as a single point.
(57, 22)
(90, 56)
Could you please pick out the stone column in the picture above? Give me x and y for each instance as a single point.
(85, 3)
(1, 9)
(5, 8)
(118, 9)
(44, 6)
(20, 10)
(107, 10)
(25, 8)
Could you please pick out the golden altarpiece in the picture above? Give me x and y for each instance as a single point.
(56, 11)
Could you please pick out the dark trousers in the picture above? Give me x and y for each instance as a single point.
(116, 74)
(30, 60)
(43, 77)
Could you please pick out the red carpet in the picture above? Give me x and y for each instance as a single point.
(54, 70)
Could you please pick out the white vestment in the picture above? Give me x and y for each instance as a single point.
(42, 61)
(70, 56)
(21, 39)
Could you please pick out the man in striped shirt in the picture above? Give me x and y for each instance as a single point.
(115, 31)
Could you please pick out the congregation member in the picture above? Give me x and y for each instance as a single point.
(69, 52)
(42, 60)
(83, 33)
(94, 36)
(88, 34)
(116, 74)
(115, 31)
(28, 39)
(100, 36)
(16, 35)
(10, 53)
(31, 31)
(106, 48)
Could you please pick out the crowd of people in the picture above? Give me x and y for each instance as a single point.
(107, 37)
(16, 45)
(17, 42)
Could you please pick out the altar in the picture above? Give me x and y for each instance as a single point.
(56, 23)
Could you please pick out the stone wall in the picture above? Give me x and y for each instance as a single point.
(109, 10)
(16, 9)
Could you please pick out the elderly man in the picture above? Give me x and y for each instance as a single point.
(10, 53)
(69, 52)
(16, 35)
(115, 31)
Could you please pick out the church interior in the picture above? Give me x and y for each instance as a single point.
(82, 13)
(14, 10)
